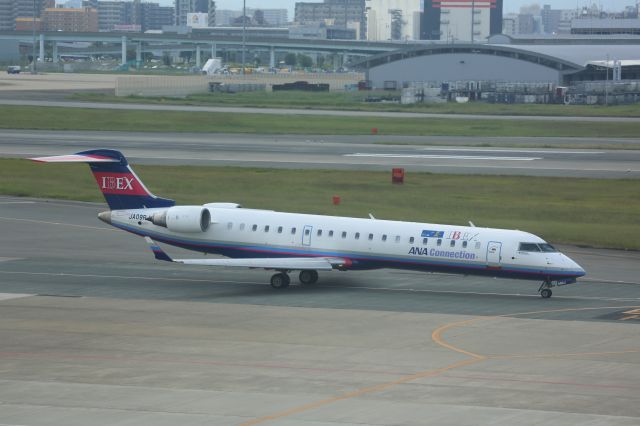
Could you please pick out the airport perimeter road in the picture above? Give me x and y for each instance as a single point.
(95, 331)
(344, 152)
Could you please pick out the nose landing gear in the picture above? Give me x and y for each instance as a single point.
(545, 289)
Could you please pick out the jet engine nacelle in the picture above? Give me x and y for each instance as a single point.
(183, 219)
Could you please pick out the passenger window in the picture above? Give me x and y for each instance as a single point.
(464, 244)
(319, 232)
(344, 234)
(370, 237)
(411, 240)
(293, 231)
(439, 242)
(425, 241)
(242, 226)
(254, 228)
(229, 225)
(478, 245)
(279, 229)
(384, 238)
(397, 238)
(357, 235)
(307, 231)
(266, 228)
(452, 243)
(331, 233)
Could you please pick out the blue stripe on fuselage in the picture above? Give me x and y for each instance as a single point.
(360, 261)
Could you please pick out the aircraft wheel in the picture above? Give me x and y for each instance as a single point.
(546, 293)
(308, 277)
(280, 280)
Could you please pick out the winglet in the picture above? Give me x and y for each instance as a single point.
(157, 251)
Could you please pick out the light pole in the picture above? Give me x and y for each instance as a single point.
(606, 84)
(33, 47)
(244, 31)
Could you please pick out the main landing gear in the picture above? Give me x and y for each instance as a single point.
(282, 280)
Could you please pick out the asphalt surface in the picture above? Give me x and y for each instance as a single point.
(442, 155)
(95, 331)
(280, 111)
(61, 246)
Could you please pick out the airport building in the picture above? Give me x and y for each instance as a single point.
(504, 60)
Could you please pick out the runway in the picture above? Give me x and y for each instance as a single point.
(440, 155)
(95, 331)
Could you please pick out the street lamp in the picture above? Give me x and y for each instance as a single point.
(33, 46)
(244, 31)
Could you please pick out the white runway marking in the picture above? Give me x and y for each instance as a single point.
(7, 259)
(9, 296)
(442, 157)
(519, 151)
(57, 223)
(17, 202)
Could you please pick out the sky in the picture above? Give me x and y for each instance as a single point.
(509, 5)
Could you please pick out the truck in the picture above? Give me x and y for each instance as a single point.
(14, 69)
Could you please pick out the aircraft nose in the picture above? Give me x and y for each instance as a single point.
(579, 270)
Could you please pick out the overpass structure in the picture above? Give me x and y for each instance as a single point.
(198, 42)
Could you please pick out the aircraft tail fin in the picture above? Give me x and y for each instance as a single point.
(120, 186)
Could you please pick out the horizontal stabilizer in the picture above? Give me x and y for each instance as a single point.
(76, 158)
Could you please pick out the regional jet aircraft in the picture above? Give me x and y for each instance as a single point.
(286, 242)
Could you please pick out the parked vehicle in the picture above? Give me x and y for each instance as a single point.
(14, 69)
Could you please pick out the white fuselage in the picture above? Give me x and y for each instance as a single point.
(364, 243)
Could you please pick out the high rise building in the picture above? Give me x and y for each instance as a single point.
(184, 7)
(461, 20)
(337, 12)
(84, 19)
(154, 17)
(550, 19)
(393, 19)
(272, 17)
(212, 13)
(12, 9)
(225, 17)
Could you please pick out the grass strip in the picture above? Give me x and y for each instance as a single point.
(355, 101)
(589, 212)
(54, 118)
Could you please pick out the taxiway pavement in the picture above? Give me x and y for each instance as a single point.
(95, 331)
(442, 155)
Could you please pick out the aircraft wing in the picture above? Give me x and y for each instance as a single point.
(285, 263)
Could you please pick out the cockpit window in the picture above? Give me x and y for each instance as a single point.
(548, 248)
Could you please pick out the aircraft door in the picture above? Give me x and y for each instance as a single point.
(306, 235)
(494, 253)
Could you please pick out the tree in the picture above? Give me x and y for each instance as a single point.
(290, 59)
(304, 61)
